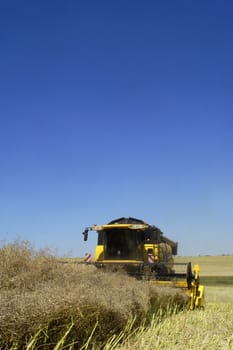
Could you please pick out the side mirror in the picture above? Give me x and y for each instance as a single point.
(85, 234)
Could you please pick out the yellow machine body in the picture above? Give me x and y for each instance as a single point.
(144, 252)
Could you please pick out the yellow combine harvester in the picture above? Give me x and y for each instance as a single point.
(144, 252)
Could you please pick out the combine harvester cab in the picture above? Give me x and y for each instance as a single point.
(144, 252)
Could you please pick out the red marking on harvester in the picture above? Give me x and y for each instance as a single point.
(151, 258)
(87, 258)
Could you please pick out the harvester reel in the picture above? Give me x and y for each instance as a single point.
(159, 269)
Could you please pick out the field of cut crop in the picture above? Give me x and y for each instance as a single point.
(208, 329)
(202, 329)
(49, 304)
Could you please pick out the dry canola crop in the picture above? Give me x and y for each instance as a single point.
(46, 304)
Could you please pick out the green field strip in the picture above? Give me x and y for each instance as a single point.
(217, 280)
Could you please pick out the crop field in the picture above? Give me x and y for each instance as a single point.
(46, 304)
(211, 265)
(211, 328)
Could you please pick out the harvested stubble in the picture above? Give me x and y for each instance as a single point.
(48, 304)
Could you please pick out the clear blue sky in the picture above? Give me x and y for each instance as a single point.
(116, 108)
